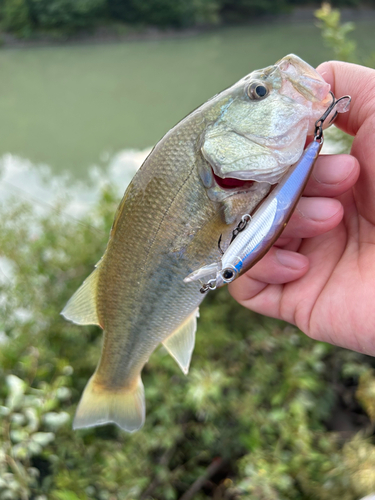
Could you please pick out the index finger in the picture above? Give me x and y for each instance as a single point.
(357, 81)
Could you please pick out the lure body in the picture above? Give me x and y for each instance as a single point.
(266, 225)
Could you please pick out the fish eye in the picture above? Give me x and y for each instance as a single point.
(257, 91)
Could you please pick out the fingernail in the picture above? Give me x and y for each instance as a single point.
(318, 209)
(290, 259)
(324, 174)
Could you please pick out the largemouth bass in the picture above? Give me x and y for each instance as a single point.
(217, 164)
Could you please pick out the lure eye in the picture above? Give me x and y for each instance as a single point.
(228, 275)
(257, 91)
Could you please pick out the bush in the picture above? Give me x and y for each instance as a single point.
(177, 13)
(66, 15)
(16, 15)
(251, 415)
(27, 16)
(245, 9)
(335, 34)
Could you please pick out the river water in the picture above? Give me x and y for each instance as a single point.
(99, 108)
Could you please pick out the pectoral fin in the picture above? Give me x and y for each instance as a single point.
(81, 308)
(180, 344)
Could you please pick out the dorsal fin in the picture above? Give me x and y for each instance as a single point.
(180, 344)
(81, 308)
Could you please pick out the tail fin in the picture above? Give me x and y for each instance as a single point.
(123, 407)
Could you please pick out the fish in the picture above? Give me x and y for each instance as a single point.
(215, 165)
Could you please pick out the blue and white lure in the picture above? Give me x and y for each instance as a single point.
(256, 234)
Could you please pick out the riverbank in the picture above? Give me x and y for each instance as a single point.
(121, 32)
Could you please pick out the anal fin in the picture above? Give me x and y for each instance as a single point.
(81, 308)
(180, 344)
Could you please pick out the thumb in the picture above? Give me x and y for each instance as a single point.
(356, 81)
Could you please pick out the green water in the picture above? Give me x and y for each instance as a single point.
(72, 107)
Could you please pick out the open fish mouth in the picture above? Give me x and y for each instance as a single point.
(232, 182)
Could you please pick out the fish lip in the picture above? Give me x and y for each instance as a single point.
(305, 79)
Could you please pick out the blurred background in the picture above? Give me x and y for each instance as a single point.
(87, 87)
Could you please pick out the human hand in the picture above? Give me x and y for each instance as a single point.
(327, 289)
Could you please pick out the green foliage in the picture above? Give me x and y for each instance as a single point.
(61, 16)
(65, 14)
(254, 406)
(245, 9)
(338, 3)
(335, 34)
(366, 393)
(28, 17)
(177, 13)
(16, 16)
(336, 38)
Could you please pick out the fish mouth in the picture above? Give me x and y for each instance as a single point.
(231, 182)
(304, 78)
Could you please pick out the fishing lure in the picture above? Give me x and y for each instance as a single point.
(256, 234)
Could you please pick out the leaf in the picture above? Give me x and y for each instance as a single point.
(66, 495)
